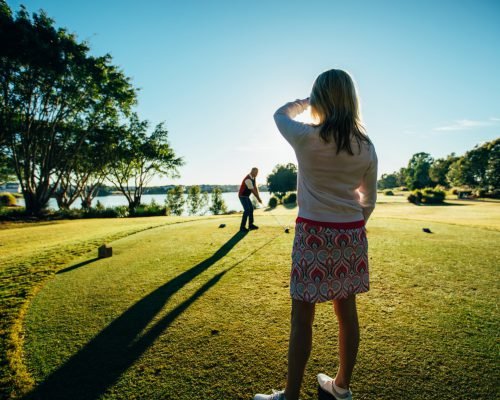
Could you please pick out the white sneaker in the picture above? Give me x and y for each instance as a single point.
(275, 396)
(326, 390)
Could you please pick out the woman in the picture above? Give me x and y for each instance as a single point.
(336, 194)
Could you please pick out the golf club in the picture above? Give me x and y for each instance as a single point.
(286, 228)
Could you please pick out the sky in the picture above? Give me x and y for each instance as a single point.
(215, 72)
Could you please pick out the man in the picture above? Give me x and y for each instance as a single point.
(248, 186)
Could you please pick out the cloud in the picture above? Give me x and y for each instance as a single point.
(467, 124)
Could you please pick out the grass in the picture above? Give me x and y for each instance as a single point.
(190, 311)
(30, 254)
(482, 213)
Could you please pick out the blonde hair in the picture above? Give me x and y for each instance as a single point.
(334, 105)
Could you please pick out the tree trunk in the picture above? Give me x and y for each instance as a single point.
(86, 202)
(90, 189)
(132, 205)
(62, 201)
(35, 206)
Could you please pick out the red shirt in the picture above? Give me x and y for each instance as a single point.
(244, 190)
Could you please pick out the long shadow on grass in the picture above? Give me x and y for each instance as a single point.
(83, 263)
(98, 365)
(444, 204)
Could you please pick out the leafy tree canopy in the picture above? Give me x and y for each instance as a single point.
(283, 179)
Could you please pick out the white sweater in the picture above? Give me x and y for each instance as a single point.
(330, 187)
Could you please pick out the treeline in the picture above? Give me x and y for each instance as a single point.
(66, 119)
(478, 169)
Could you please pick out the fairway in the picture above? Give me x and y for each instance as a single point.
(191, 311)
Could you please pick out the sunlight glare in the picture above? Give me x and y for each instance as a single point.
(305, 117)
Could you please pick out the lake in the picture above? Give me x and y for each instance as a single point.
(231, 199)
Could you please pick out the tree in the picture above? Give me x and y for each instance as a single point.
(417, 172)
(93, 165)
(175, 200)
(218, 204)
(53, 95)
(388, 181)
(283, 179)
(477, 168)
(439, 169)
(401, 175)
(205, 203)
(478, 159)
(138, 157)
(90, 168)
(89, 173)
(92, 186)
(66, 193)
(459, 173)
(7, 173)
(493, 166)
(194, 200)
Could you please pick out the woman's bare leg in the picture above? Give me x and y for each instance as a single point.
(299, 346)
(347, 317)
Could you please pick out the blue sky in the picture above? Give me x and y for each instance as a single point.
(215, 71)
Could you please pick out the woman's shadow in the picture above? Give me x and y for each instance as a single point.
(98, 365)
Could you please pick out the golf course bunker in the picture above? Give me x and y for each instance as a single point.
(193, 306)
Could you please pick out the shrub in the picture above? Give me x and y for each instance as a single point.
(273, 202)
(175, 200)
(7, 200)
(433, 196)
(149, 210)
(99, 206)
(290, 198)
(412, 198)
(415, 197)
(427, 196)
(205, 203)
(13, 214)
(72, 213)
(440, 187)
(194, 200)
(480, 193)
(439, 196)
(120, 211)
(388, 192)
(465, 194)
(494, 194)
(218, 204)
(110, 212)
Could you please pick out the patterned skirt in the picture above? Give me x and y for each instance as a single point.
(329, 260)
